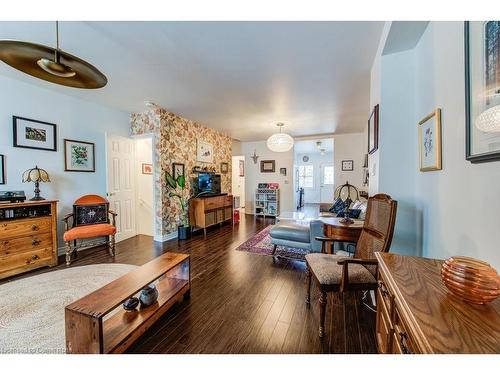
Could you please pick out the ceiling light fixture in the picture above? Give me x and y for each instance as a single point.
(322, 151)
(489, 120)
(280, 142)
(318, 145)
(51, 64)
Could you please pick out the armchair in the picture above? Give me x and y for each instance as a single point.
(298, 236)
(90, 219)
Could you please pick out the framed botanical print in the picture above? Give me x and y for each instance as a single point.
(38, 135)
(347, 165)
(267, 166)
(177, 170)
(204, 152)
(482, 90)
(2, 169)
(224, 167)
(429, 141)
(373, 130)
(147, 168)
(242, 168)
(79, 156)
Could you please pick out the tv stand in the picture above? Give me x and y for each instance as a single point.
(208, 210)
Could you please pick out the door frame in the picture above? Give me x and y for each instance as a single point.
(321, 175)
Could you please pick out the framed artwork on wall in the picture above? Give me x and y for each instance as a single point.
(224, 167)
(283, 171)
(34, 134)
(347, 165)
(373, 130)
(2, 169)
(482, 91)
(267, 166)
(242, 168)
(177, 170)
(204, 152)
(147, 168)
(429, 142)
(79, 156)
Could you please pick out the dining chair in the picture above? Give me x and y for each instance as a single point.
(335, 273)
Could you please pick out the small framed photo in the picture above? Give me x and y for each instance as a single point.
(283, 171)
(147, 168)
(242, 168)
(38, 135)
(2, 169)
(79, 156)
(224, 167)
(347, 165)
(373, 130)
(204, 152)
(177, 170)
(429, 141)
(267, 166)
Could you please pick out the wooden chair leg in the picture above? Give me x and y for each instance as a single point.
(111, 244)
(322, 312)
(68, 253)
(309, 280)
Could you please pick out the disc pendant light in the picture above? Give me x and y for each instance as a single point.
(280, 142)
(51, 64)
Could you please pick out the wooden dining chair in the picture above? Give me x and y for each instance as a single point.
(334, 273)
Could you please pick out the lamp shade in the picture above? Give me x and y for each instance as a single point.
(280, 142)
(347, 192)
(36, 175)
(489, 120)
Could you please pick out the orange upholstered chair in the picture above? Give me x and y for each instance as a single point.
(90, 220)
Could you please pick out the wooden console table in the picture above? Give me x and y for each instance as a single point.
(210, 210)
(87, 329)
(417, 314)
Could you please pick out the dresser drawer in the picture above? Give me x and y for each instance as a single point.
(212, 203)
(29, 258)
(228, 213)
(23, 244)
(228, 200)
(383, 326)
(24, 227)
(402, 342)
(385, 295)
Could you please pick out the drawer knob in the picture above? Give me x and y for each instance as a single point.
(34, 227)
(5, 243)
(34, 257)
(35, 242)
(402, 341)
(383, 289)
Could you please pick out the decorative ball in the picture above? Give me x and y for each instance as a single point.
(471, 280)
(149, 295)
(130, 303)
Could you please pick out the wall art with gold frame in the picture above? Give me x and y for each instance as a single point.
(429, 142)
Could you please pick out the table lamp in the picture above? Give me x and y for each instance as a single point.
(348, 194)
(36, 175)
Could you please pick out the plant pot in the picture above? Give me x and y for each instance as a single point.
(183, 232)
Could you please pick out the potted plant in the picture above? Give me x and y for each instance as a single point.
(177, 189)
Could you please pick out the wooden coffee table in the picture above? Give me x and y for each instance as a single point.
(94, 324)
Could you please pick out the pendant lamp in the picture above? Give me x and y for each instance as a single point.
(51, 64)
(280, 142)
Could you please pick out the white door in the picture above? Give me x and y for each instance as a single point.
(237, 180)
(326, 183)
(121, 184)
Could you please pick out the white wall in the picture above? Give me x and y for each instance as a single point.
(313, 195)
(349, 147)
(253, 175)
(144, 187)
(76, 119)
(456, 209)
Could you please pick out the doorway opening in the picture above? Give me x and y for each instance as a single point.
(238, 182)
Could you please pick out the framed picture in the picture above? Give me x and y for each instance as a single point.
(79, 156)
(373, 130)
(147, 168)
(177, 170)
(38, 135)
(204, 152)
(267, 166)
(242, 168)
(429, 141)
(283, 171)
(224, 167)
(347, 165)
(2, 169)
(482, 91)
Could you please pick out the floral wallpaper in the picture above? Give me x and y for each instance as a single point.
(174, 141)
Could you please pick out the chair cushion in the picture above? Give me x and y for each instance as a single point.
(328, 272)
(291, 232)
(89, 231)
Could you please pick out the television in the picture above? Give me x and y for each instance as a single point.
(209, 183)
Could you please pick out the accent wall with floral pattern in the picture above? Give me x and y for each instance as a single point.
(174, 141)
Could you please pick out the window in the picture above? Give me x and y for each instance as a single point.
(328, 175)
(306, 176)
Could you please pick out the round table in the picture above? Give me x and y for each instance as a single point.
(341, 232)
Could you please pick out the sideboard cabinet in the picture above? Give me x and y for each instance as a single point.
(28, 236)
(417, 314)
(207, 211)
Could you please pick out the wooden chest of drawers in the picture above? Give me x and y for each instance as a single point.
(28, 241)
(207, 211)
(417, 314)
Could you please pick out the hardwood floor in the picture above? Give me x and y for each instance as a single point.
(241, 302)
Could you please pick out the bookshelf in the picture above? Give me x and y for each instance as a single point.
(267, 200)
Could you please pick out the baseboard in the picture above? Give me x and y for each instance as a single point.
(165, 237)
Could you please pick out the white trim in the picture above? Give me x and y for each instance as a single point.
(165, 237)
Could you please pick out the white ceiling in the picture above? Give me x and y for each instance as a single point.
(309, 146)
(238, 77)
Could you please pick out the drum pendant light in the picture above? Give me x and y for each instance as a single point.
(51, 64)
(280, 142)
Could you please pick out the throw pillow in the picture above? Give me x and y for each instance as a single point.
(338, 206)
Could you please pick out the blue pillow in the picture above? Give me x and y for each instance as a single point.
(338, 206)
(353, 213)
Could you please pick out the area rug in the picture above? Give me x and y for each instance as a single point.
(32, 309)
(260, 243)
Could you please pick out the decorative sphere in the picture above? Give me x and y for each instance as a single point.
(489, 120)
(280, 142)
